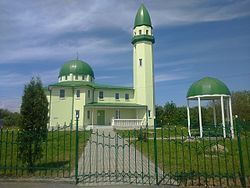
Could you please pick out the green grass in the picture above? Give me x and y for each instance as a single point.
(58, 154)
(194, 161)
(170, 131)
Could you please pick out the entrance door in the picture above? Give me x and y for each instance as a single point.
(100, 117)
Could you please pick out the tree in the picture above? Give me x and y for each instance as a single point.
(9, 119)
(241, 104)
(12, 120)
(34, 118)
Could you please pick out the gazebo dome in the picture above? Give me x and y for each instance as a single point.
(76, 67)
(208, 86)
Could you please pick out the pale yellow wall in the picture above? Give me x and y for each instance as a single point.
(109, 96)
(72, 77)
(125, 113)
(61, 109)
(143, 29)
(144, 75)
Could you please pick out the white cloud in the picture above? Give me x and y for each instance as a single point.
(9, 79)
(31, 30)
(168, 77)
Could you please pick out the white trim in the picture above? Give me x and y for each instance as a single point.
(200, 116)
(189, 122)
(115, 107)
(204, 96)
(127, 122)
(214, 113)
(223, 116)
(231, 117)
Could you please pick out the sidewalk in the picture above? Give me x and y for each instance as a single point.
(66, 185)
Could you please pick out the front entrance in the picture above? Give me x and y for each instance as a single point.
(100, 117)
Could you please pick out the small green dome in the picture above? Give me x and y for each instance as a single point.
(142, 17)
(76, 67)
(208, 86)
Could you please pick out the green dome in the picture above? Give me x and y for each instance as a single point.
(208, 86)
(142, 17)
(76, 67)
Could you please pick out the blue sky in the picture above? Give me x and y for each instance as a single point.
(194, 38)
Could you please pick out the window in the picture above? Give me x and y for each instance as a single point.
(149, 113)
(117, 96)
(88, 114)
(77, 113)
(117, 114)
(62, 93)
(60, 78)
(76, 77)
(140, 62)
(146, 32)
(82, 77)
(88, 93)
(77, 93)
(66, 77)
(139, 32)
(101, 95)
(135, 33)
(126, 96)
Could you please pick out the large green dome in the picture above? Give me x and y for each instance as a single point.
(76, 67)
(142, 17)
(208, 86)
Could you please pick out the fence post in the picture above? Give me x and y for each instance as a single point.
(242, 170)
(155, 154)
(76, 157)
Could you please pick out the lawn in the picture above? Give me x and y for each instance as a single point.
(175, 131)
(212, 160)
(58, 154)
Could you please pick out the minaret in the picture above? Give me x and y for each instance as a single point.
(143, 64)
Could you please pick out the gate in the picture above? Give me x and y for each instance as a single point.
(110, 157)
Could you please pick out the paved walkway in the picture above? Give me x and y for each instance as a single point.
(64, 185)
(109, 158)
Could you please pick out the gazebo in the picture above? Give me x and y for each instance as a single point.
(209, 88)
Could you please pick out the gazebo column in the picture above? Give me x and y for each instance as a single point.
(228, 114)
(214, 114)
(231, 117)
(200, 117)
(223, 116)
(188, 116)
(92, 117)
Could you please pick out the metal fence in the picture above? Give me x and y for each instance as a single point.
(164, 155)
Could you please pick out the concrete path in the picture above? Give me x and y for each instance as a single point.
(108, 158)
(64, 185)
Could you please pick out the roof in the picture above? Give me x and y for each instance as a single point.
(142, 17)
(97, 104)
(208, 86)
(90, 84)
(76, 67)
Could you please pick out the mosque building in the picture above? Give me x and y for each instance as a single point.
(76, 94)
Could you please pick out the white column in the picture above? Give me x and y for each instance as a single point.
(214, 114)
(231, 117)
(223, 116)
(92, 117)
(188, 116)
(200, 117)
(227, 111)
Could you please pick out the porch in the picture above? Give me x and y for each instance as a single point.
(115, 115)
